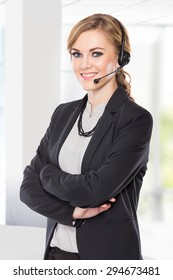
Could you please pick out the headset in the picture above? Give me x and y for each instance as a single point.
(124, 56)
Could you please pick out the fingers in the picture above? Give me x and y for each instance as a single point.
(80, 213)
(106, 203)
(104, 207)
(112, 199)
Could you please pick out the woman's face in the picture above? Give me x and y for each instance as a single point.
(94, 56)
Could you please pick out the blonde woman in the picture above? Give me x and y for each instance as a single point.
(89, 167)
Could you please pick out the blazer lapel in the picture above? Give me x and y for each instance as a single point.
(103, 126)
(68, 126)
(106, 121)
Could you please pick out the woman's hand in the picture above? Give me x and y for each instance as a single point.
(85, 213)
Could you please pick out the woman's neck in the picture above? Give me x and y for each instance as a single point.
(101, 96)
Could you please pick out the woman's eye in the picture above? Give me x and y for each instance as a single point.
(96, 54)
(76, 54)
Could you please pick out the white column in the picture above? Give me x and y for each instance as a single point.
(32, 89)
(157, 89)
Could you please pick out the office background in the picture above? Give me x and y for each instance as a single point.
(35, 74)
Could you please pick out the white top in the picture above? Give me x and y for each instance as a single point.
(70, 160)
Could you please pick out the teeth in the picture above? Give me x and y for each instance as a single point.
(88, 75)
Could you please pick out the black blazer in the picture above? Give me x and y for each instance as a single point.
(113, 166)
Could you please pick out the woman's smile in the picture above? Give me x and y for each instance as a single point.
(88, 76)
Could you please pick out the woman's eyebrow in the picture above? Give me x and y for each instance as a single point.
(73, 49)
(91, 50)
(96, 48)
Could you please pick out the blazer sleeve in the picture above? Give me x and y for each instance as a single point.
(33, 194)
(128, 154)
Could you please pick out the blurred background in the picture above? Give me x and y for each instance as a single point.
(36, 75)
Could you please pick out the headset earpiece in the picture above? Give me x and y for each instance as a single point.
(124, 56)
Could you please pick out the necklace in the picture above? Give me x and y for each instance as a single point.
(80, 128)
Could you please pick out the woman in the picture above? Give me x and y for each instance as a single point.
(88, 171)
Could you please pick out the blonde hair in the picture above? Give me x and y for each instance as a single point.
(113, 31)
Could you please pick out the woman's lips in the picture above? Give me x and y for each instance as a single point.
(88, 76)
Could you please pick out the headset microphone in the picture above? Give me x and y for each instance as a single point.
(98, 79)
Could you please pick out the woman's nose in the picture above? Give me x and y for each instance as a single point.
(85, 63)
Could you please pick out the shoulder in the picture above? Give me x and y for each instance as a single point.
(135, 120)
(127, 109)
(62, 114)
(131, 114)
(67, 106)
(131, 110)
(65, 109)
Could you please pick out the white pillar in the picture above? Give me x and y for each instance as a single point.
(158, 57)
(32, 89)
